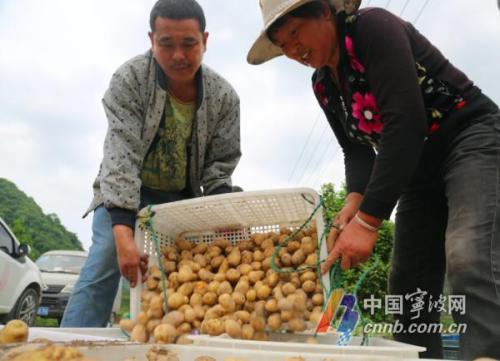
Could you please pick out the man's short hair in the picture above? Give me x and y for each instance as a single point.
(178, 10)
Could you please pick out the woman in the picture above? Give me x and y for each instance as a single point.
(414, 130)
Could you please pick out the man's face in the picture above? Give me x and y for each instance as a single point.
(178, 46)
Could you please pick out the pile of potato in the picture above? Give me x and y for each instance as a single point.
(223, 288)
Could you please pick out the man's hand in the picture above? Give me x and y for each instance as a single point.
(129, 260)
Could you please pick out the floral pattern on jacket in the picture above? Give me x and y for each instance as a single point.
(362, 119)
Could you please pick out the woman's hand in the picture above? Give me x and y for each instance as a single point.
(342, 219)
(355, 243)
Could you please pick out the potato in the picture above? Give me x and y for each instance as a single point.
(266, 264)
(239, 298)
(165, 333)
(293, 246)
(285, 304)
(224, 266)
(251, 295)
(243, 316)
(15, 331)
(263, 292)
(151, 283)
(184, 328)
(213, 327)
(125, 325)
(225, 287)
(268, 252)
(233, 275)
(288, 289)
(233, 328)
(317, 299)
(255, 276)
(139, 333)
(152, 324)
(222, 243)
(174, 318)
(308, 246)
(256, 265)
(309, 286)
(200, 260)
(200, 248)
(213, 251)
(220, 277)
(186, 274)
(245, 269)
(258, 238)
(234, 257)
(196, 299)
(271, 305)
(183, 244)
(205, 275)
(142, 318)
(314, 317)
(200, 287)
(183, 340)
(312, 260)
(199, 311)
(246, 257)
(268, 243)
(242, 286)
(272, 279)
(258, 322)
(214, 312)
(175, 300)
(204, 358)
(298, 257)
(258, 256)
(189, 315)
(285, 259)
(247, 332)
(209, 298)
(213, 286)
(297, 324)
(227, 302)
(274, 321)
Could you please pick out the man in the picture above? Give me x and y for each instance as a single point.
(173, 133)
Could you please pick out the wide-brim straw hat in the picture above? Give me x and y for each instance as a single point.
(263, 48)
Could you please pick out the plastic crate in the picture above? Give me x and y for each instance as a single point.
(234, 216)
(286, 342)
(120, 352)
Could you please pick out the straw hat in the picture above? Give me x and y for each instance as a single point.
(263, 49)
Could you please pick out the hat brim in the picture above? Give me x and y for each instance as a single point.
(263, 49)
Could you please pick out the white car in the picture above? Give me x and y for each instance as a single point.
(20, 280)
(60, 270)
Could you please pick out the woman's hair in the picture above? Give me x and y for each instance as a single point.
(310, 10)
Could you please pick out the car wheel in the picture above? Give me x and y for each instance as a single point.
(26, 307)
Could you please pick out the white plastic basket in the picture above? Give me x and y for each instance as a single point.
(191, 352)
(234, 216)
(286, 342)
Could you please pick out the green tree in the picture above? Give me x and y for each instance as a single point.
(376, 269)
(30, 225)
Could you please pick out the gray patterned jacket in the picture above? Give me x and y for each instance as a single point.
(134, 104)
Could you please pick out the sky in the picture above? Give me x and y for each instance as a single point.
(57, 57)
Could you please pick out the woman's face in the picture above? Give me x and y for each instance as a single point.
(310, 41)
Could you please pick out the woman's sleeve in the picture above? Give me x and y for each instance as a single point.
(385, 49)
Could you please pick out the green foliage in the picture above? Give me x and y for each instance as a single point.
(30, 225)
(376, 268)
